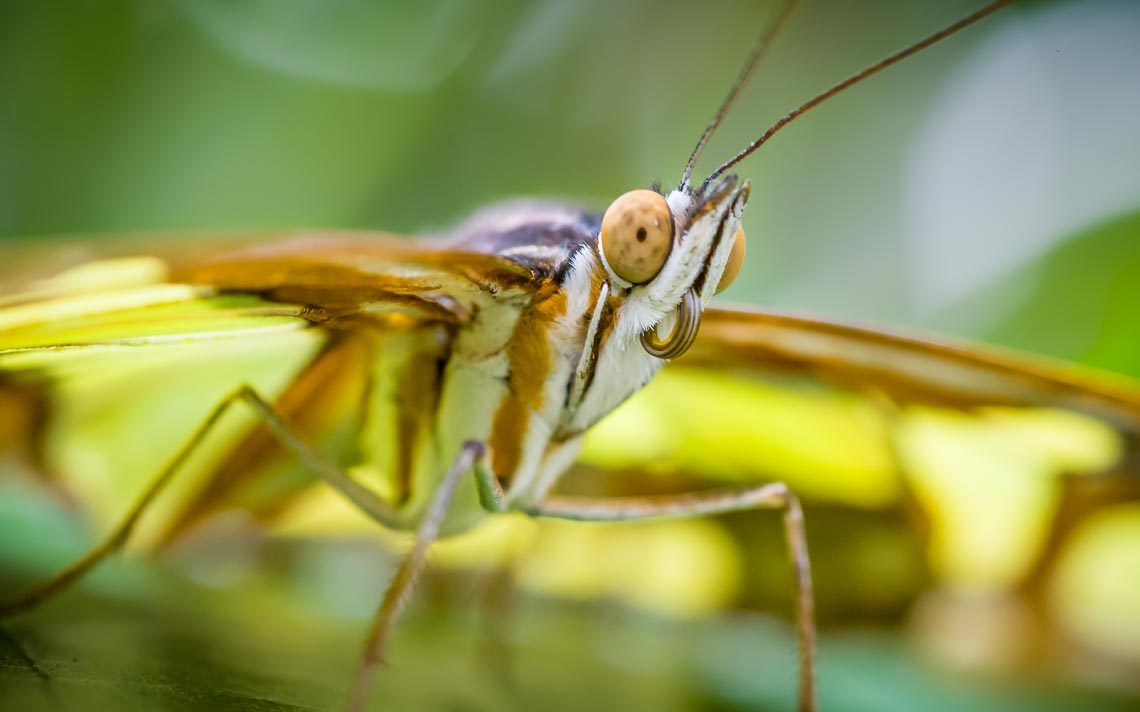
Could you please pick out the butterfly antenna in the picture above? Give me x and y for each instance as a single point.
(855, 79)
(758, 53)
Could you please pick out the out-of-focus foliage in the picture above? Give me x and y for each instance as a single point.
(896, 202)
(1098, 570)
(1080, 300)
(136, 637)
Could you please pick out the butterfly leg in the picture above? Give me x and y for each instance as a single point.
(361, 496)
(776, 495)
(471, 456)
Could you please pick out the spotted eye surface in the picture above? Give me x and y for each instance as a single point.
(735, 260)
(637, 235)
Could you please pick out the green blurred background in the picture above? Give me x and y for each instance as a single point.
(988, 188)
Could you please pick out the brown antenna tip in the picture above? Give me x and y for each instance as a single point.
(855, 79)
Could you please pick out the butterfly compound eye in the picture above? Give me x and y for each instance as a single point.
(637, 235)
(735, 260)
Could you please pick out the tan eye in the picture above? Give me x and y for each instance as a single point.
(637, 235)
(735, 260)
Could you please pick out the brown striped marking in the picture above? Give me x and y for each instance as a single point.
(605, 320)
(531, 361)
(417, 401)
(344, 271)
(25, 412)
(605, 327)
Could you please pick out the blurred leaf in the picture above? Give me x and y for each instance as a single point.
(1094, 587)
(401, 46)
(285, 635)
(1079, 301)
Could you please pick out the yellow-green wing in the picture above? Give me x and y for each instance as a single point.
(108, 366)
(861, 419)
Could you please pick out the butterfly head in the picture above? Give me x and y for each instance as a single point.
(668, 255)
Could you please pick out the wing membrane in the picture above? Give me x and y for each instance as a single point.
(905, 368)
(820, 403)
(131, 352)
(348, 271)
(853, 416)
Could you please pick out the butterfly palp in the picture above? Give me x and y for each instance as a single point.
(735, 262)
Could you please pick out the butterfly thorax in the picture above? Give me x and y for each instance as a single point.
(535, 366)
(553, 372)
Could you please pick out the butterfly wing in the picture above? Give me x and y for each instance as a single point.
(907, 368)
(977, 441)
(125, 356)
(767, 376)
